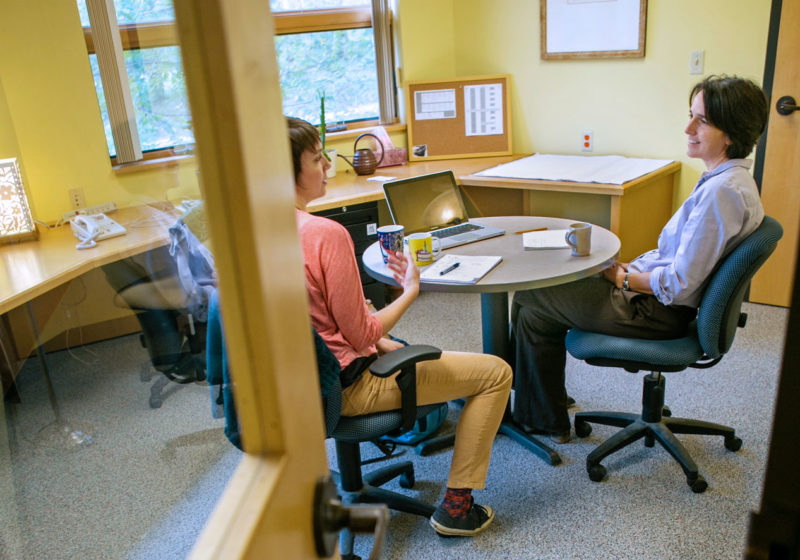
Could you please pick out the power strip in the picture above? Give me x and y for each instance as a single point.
(104, 208)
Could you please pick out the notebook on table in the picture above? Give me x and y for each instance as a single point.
(432, 203)
(548, 239)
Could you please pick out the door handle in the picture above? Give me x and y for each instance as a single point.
(786, 105)
(330, 517)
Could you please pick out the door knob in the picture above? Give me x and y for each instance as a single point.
(786, 105)
(330, 517)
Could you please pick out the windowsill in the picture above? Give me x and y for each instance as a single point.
(149, 164)
(173, 161)
(352, 133)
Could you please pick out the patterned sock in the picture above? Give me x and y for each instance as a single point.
(457, 502)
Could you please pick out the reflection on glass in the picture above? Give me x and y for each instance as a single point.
(158, 89)
(126, 357)
(159, 97)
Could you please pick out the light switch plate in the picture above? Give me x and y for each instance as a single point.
(696, 62)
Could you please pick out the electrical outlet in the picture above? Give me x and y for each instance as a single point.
(587, 141)
(76, 199)
(104, 208)
(696, 62)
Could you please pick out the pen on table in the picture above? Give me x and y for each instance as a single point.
(449, 269)
(534, 229)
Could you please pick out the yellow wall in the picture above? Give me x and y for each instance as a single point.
(9, 148)
(8, 138)
(54, 113)
(635, 107)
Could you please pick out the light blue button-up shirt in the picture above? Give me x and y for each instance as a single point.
(722, 210)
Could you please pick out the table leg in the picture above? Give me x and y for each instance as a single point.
(494, 321)
(58, 433)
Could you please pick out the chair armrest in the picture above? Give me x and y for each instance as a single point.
(403, 357)
(405, 360)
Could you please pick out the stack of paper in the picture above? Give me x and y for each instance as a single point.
(547, 239)
(459, 269)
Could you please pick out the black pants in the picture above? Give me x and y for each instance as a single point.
(540, 321)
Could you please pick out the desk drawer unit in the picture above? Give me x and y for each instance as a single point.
(361, 221)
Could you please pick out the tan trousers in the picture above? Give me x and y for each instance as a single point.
(482, 379)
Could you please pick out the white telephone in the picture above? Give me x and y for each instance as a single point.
(93, 228)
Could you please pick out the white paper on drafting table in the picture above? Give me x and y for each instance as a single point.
(614, 170)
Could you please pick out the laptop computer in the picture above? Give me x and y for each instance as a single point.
(433, 203)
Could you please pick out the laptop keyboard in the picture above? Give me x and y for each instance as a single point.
(454, 230)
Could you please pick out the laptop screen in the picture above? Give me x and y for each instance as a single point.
(426, 202)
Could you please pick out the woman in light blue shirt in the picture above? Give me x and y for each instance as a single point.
(656, 295)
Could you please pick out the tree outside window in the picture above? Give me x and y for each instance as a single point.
(339, 60)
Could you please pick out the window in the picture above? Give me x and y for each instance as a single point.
(321, 45)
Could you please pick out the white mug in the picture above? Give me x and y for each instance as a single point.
(579, 237)
(332, 169)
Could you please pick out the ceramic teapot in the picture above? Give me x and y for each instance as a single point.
(364, 160)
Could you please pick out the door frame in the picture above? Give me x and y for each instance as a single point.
(766, 83)
(248, 186)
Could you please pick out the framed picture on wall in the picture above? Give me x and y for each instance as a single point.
(592, 28)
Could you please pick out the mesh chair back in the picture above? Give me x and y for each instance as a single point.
(721, 305)
(333, 407)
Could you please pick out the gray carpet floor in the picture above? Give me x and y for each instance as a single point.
(142, 489)
(643, 509)
(147, 484)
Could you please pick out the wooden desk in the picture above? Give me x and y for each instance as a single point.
(348, 188)
(635, 211)
(33, 268)
(40, 272)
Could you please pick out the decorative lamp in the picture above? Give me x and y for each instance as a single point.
(16, 222)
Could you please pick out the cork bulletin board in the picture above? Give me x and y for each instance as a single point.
(459, 118)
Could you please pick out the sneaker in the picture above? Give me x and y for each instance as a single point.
(477, 519)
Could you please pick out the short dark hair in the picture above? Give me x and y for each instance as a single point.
(303, 136)
(736, 106)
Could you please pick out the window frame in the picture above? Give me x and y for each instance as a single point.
(162, 34)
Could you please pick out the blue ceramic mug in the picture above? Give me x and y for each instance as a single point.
(390, 238)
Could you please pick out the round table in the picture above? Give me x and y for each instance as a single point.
(520, 269)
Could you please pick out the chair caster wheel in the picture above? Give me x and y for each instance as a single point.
(582, 429)
(698, 485)
(407, 480)
(596, 473)
(665, 411)
(733, 443)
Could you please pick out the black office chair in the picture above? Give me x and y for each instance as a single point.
(349, 432)
(175, 341)
(169, 289)
(709, 338)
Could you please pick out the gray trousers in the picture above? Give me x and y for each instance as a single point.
(540, 321)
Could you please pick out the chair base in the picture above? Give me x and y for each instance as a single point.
(361, 489)
(654, 424)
